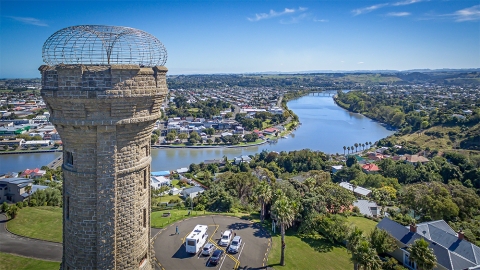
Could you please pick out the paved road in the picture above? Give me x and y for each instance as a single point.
(23, 246)
(33, 248)
(170, 251)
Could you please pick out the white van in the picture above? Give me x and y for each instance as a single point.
(226, 238)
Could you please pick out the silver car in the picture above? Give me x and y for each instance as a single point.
(208, 249)
(235, 245)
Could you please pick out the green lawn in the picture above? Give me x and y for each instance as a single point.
(38, 222)
(46, 222)
(364, 224)
(308, 252)
(157, 220)
(314, 252)
(13, 262)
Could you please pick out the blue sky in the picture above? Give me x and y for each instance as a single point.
(261, 36)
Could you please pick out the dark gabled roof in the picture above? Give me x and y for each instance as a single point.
(451, 252)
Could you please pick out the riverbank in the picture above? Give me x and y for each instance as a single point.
(324, 127)
(29, 152)
(347, 108)
(208, 146)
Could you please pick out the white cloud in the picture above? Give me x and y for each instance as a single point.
(360, 63)
(321, 20)
(295, 19)
(468, 14)
(27, 20)
(407, 2)
(273, 14)
(364, 10)
(398, 14)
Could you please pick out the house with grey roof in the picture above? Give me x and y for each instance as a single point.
(13, 190)
(452, 251)
(368, 208)
(192, 192)
(357, 189)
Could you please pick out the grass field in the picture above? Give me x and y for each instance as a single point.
(314, 252)
(45, 222)
(364, 224)
(157, 220)
(38, 222)
(13, 262)
(308, 252)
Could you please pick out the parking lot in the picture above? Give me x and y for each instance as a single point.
(170, 249)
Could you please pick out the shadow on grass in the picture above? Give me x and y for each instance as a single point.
(318, 243)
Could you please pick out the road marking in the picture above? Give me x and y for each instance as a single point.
(240, 253)
(224, 257)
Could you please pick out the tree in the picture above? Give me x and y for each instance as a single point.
(183, 136)
(170, 136)
(28, 189)
(356, 146)
(381, 241)
(422, 255)
(4, 207)
(354, 237)
(153, 138)
(12, 211)
(283, 210)
(364, 255)
(344, 148)
(264, 193)
(348, 148)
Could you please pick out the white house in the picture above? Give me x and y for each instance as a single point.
(159, 181)
(192, 192)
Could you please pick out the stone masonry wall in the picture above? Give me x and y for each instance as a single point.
(105, 115)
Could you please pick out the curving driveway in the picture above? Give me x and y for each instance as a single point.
(28, 247)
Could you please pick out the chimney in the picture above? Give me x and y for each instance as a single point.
(413, 227)
(461, 235)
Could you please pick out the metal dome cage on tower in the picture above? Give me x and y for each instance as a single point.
(103, 45)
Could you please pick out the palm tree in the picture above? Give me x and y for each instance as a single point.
(356, 146)
(12, 211)
(283, 210)
(344, 148)
(28, 189)
(348, 149)
(363, 146)
(422, 255)
(365, 256)
(354, 186)
(264, 193)
(351, 147)
(353, 238)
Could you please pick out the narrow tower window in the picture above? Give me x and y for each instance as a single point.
(144, 217)
(145, 178)
(69, 158)
(67, 207)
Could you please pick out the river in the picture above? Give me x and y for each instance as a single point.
(325, 127)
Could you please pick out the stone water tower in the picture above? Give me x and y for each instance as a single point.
(104, 86)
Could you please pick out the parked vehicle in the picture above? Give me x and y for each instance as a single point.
(235, 245)
(226, 238)
(216, 257)
(195, 240)
(208, 249)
